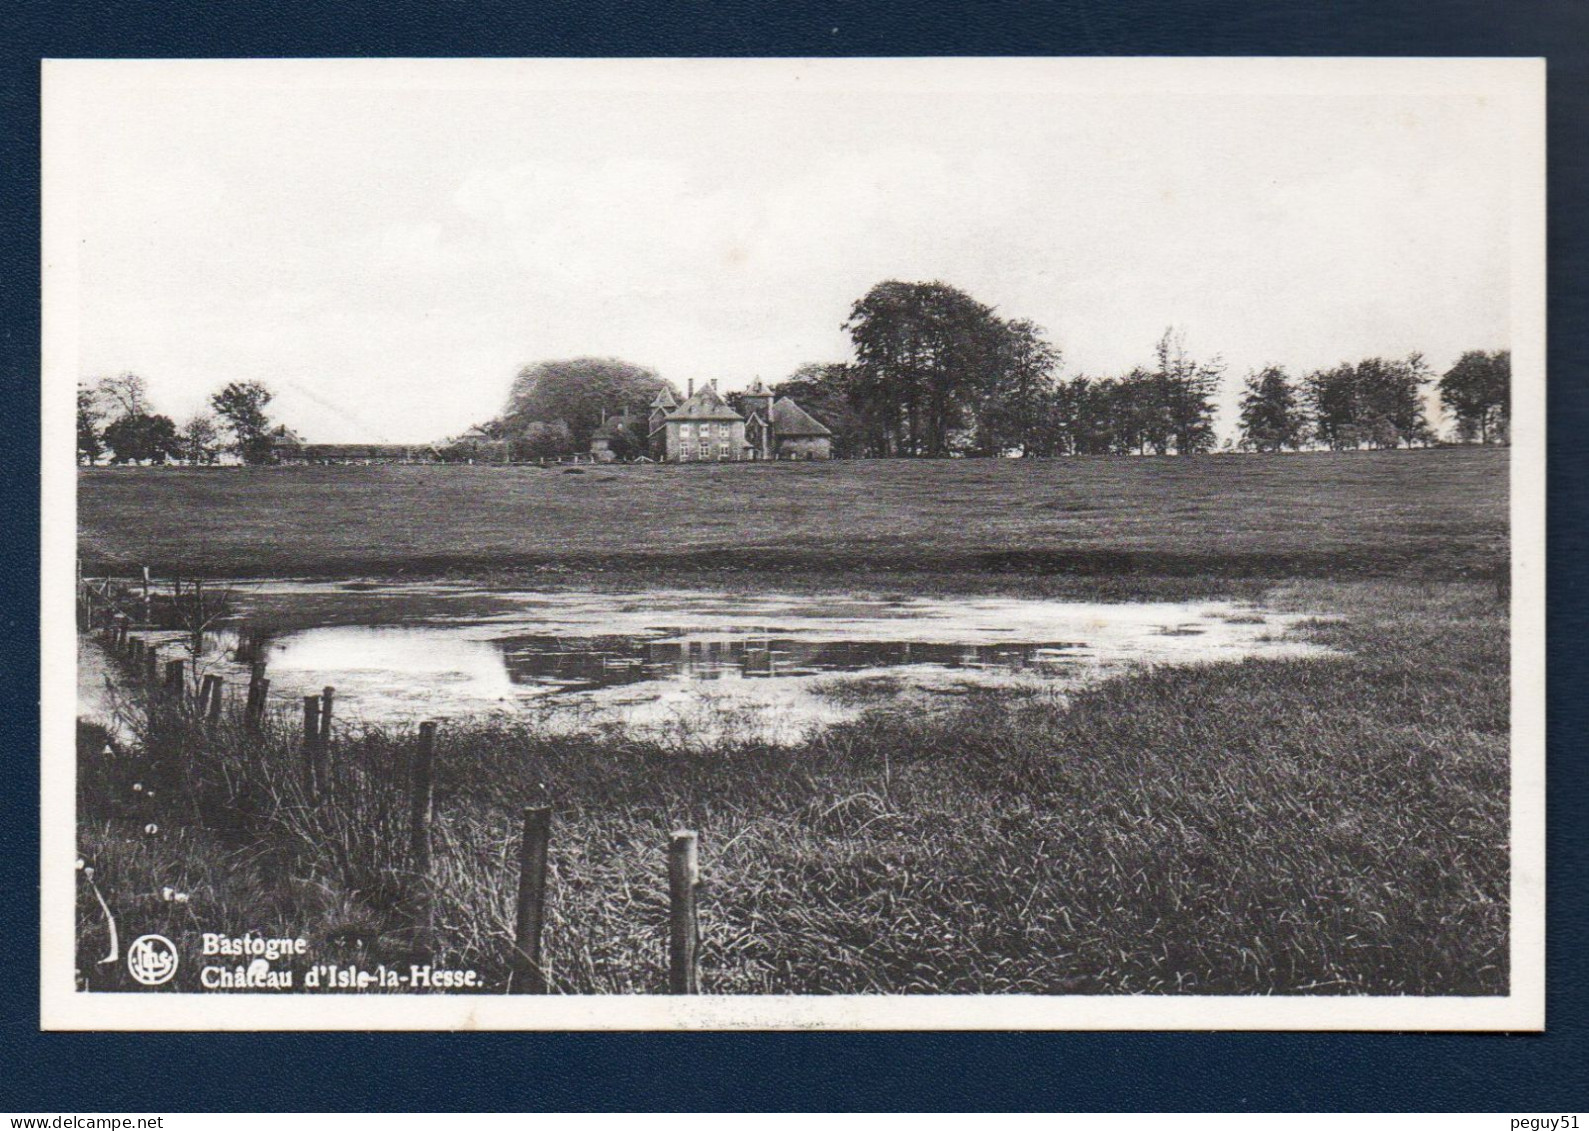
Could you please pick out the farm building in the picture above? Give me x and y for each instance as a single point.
(705, 427)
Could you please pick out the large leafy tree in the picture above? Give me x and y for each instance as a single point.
(241, 406)
(1477, 392)
(577, 392)
(1271, 414)
(142, 436)
(924, 356)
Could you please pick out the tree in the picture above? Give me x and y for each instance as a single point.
(1139, 413)
(1375, 402)
(241, 405)
(1271, 415)
(577, 392)
(141, 436)
(925, 353)
(546, 440)
(1185, 392)
(89, 446)
(1477, 392)
(200, 439)
(1085, 409)
(125, 394)
(1015, 412)
(1329, 395)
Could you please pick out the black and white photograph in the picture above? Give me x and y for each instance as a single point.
(848, 543)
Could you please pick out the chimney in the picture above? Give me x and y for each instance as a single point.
(689, 389)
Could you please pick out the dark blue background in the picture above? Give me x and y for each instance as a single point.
(1236, 1071)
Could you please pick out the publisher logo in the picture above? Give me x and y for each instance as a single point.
(152, 960)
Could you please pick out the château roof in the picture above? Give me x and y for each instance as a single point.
(789, 419)
(705, 404)
(664, 398)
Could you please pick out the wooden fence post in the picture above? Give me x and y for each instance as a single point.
(421, 782)
(151, 665)
(204, 692)
(326, 696)
(147, 618)
(323, 739)
(528, 976)
(257, 683)
(261, 698)
(311, 741)
(174, 677)
(684, 937)
(215, 697)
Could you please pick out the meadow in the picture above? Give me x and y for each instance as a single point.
(1334, 825)
(1314, 514)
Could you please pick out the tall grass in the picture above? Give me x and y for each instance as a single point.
(1305, 826)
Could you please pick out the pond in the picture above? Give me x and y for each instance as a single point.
(693, 662)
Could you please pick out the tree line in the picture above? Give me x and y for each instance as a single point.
(936, 373)
(116, 421)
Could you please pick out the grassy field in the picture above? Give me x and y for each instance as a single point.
(1328, 826)
(1332, 825)
(1436, 513)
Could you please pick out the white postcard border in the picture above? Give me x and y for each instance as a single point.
(1521, 82)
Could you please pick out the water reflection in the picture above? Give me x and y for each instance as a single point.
(400, 652)
(575, 664)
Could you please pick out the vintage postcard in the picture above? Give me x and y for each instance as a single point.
(942, 543)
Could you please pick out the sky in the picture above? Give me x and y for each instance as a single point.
(385, 255)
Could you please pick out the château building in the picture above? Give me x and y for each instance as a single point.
(705, 427)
